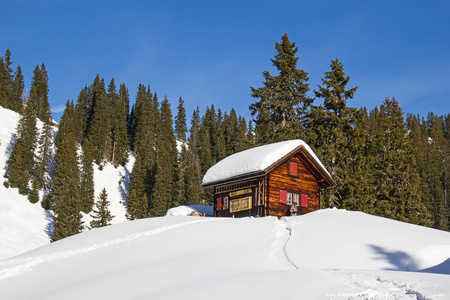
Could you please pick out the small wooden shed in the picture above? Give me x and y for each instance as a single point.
(279, 179)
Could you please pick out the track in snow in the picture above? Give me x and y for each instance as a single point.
(14, 267)
(283, 231)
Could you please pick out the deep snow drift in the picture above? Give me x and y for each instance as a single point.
(327, 254)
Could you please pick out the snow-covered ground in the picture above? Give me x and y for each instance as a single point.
(327, 254)
(25, 226)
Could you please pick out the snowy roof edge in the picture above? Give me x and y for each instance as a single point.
(283, 150)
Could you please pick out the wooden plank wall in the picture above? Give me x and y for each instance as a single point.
(279, 179)
(226, 190)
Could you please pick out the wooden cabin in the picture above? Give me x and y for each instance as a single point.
(279, 179)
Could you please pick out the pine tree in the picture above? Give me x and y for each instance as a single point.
(119, 128)
(99, 128)
(87, 176)
(39, 93)
(437, 156)
(333, 133)
(283, 104)
(137, 207)
(220, 142)
(21, 162)
(33, 196)
(81, 114)
(163, 191)
(183, 156)
(180, 122)
(64, 197)
(101, 215)
(396, 180)
(145, 136)
(45, 153)
(6, 80)
(193, 173)
(230, 125)
(66, 124)
(17, 91)
(194, 140)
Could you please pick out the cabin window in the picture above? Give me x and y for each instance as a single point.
(293, 169)
(283, 196)
(289, 198)
(304, 200)
(225, 203)
(219, 203)
(296, 199)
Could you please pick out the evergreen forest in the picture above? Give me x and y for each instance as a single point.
(386, 162)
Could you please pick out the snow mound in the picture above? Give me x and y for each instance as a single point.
(191, 209)
(327, 254)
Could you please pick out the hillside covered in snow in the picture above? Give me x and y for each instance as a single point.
(327, 254)
(25, 226)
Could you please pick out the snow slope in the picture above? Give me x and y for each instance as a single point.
(25, 226)
(328, 254)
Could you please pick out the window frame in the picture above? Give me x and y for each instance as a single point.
(291, 163)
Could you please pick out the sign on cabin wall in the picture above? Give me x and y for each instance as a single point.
(240, 192)
(240, 204)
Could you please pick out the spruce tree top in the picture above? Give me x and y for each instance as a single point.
(283, 97)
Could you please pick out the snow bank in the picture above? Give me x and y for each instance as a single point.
(328, 254)
(188, 210)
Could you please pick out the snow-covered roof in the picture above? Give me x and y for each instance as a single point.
(254, 161)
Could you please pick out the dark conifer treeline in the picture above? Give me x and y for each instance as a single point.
(383, 164)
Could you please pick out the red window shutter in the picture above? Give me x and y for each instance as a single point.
(283, 196)
(293, 168)
(219, 203)
(304, 200)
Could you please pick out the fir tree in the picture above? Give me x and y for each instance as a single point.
(163, 191)
(64, 197)
(81, 114)
(6, 80)
(33, 196)
(180, 122)
(137, 207)
(45, 153)
(21, 162)
(87, 176)
(39, 93)
(194, 140)
(17, 91)
(283, 104)
(101, 215)
(396, 180)
(66, 124)
(119, 128)
(99, 128)
(333, 133)
(193, 173)
(146, 120)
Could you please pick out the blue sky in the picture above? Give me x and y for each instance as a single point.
(211, 52)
